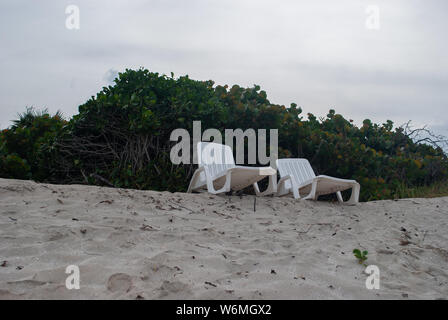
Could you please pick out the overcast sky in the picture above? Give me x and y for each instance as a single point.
(318, 54)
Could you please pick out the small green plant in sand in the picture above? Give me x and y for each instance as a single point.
(360, 255)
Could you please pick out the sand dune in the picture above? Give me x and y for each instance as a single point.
(157, 245)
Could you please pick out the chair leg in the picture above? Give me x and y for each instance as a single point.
(193, 182)
(295, 192)
(281, 186)
(339, 195)
(354, 198)
(312, 195)
(282, 190)
(272, 187)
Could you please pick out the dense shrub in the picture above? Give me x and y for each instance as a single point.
(123, 133)
(121, 138)
(25, 146)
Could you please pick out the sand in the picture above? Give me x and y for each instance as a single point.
(132, 244)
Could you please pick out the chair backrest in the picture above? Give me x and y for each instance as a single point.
(300, 169)
(216, 158)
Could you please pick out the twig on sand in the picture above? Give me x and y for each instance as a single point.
(200, 246)
(106, 201)
(423, 239)
(210, 284)
(146, 227)
(177, 204)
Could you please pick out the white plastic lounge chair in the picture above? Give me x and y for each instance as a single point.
(297, 176)
(218, 173)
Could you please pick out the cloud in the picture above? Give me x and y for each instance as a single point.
(315, 53)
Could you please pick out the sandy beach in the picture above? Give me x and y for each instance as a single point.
(133, 244)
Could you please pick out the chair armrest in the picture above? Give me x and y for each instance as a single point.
(211, 187)
(282, 190)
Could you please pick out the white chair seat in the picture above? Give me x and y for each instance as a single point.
(297, 176)
(218, 173)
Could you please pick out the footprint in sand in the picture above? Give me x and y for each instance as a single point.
(175, 289)
(25, 285)
(56, 236)
(119, 282)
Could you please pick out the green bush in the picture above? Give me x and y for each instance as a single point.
(121, 137)
(24, 147)
(12, 166)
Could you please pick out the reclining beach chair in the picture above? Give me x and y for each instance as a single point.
(218, 173)
(297, 176)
